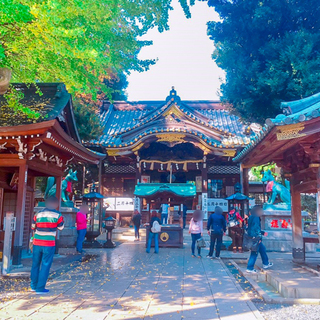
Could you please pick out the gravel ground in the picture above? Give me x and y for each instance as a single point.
(287, 312)
(274, 311)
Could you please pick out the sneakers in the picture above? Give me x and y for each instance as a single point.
(199, 256)
(251, 271)
(269, 265)
(193, 256)
(218, 258)
(44, 291)
(209, 257)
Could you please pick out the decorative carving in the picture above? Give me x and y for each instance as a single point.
(22, 149)
(229, 153)
(171, 137)
(291, 131)
(2, 146)
(42, 155)
(137, 147)
(113, 152)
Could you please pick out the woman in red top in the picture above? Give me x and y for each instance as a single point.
(81, 220)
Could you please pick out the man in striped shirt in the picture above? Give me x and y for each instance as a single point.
(45, 223)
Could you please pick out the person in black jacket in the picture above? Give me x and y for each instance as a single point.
(136, 219)
(254, 231)
(216, 226)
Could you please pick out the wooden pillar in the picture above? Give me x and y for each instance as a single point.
(244, 177)
(318, 199)
(297, 238)
(20, 210)
(138, 169)
(59, 190)
(100, 177)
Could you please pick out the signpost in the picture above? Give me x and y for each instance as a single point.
(9, 227)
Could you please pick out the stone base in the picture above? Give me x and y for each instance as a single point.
(282, 241)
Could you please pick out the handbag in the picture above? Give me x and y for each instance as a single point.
(251, 243)
(201, 243)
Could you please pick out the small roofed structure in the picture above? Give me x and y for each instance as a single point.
(30, 148)
(292, 141)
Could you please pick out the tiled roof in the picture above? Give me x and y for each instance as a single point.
(293, 112)
(123, 118)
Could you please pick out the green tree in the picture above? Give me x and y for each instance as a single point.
(82, 43)
(257, 171)
(269, 50)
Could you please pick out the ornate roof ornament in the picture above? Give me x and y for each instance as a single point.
(173, 96)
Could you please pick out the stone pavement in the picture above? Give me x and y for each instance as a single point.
(127, 283)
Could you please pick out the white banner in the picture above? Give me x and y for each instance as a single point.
(205, 205)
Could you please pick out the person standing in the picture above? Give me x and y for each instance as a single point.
(254, 230)
(81, 220)
(136, 219)
(164, 213)
(184, 215)
(216, 226)
(235, 223)
(45, 223)
(153, 235)
(196, 231)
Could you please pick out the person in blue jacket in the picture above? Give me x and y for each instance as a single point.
(254, 230)
(216, 226)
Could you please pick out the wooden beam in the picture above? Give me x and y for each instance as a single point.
(306, 187)
(46, 168)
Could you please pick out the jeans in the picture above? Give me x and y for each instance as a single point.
(42, 257)
(184, 222)
(154, 236)
(254, 255)
(164, 218)
(195, 237)
(81, 235)
(136, 232)
(213, 238)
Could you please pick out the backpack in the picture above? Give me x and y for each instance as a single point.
(232, 219)
(156, 228)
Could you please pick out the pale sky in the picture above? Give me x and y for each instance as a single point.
(184, 59)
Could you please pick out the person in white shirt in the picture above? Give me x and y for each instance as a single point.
(196, 230)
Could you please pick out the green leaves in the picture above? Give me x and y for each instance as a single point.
(269, 51)
(76, 42)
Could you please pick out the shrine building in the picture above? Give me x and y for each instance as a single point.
(172, 150)
(35, 147)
